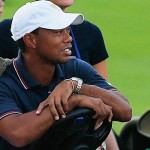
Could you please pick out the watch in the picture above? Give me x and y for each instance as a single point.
(79, 84)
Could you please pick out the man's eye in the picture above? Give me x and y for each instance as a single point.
(58, 31)
(68, 30)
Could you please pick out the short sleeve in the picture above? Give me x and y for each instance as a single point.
(7, 105)
(79, 68)
(98, 50)
(90, 43)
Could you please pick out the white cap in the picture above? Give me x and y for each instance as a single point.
(42, 14)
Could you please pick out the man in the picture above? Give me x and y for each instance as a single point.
(87, 49)
(40, 86)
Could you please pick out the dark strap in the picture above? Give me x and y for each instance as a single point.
(75, 45)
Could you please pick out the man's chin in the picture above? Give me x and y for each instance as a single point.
(64, 61)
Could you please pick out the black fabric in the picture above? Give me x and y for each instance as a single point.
(8, 47)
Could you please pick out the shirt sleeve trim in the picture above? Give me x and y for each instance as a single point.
(9, 113)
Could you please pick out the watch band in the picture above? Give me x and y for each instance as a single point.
(79, 84)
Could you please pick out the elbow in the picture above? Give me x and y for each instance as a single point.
(18, 140)
(123, 114)
(18, 143)
(126, 114)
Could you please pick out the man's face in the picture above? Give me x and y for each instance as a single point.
(63, 3)
(53, 46)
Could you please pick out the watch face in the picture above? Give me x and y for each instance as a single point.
(79, 83)
(78, 80)
(74, 78)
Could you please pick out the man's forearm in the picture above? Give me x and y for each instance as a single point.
(120, 106)
(25, 128)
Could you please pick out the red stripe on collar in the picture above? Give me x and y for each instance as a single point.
(19, 76)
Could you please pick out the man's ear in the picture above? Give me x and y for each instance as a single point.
(30, 40)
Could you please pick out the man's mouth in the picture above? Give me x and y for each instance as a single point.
(67, 52)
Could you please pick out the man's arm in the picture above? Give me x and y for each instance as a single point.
(21, 130)
(120, 106)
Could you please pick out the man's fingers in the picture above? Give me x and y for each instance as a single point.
(59, 108)
(65, 105)
(98, 123)
(41, 107)
(53, 109)
(56, 108)
(110, 116)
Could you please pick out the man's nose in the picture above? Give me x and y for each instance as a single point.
(67, 37)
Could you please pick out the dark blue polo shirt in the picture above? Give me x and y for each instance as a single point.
(21, 93)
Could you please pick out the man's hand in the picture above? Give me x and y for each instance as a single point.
(101, 109)
(57, 101)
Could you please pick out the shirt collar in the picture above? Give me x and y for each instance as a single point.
(25, 77)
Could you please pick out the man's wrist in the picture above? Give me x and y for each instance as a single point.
(72, 84)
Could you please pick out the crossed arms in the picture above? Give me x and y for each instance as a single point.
(23, 129)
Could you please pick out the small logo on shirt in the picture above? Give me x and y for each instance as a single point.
(49, 92)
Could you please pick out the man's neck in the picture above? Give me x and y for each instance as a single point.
(43, 73)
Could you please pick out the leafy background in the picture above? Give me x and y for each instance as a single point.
(125, 25)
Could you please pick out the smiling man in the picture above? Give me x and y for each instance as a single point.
(43, 82)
